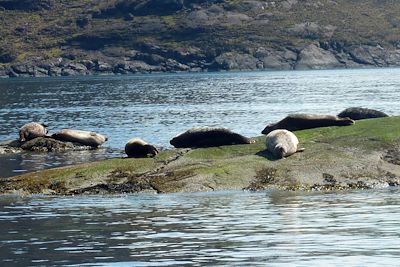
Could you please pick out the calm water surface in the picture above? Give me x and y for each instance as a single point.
(157, 107)
(358, 228)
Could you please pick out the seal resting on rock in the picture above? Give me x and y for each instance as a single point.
(137, 148)
(208, 137)
(32, 130)
(295, 122)
(361, 113)
(282, 143)
(82, 137)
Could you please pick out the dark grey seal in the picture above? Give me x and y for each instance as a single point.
(137, 148)
(361, 113)
(208, 137)
(294, 122)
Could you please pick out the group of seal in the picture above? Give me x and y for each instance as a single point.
(280, 141)
(34, 129)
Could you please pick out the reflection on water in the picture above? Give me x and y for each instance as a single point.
(358, 228)
(11, 165)
(157, 107)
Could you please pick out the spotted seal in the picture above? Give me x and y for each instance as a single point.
(208, 137)
(361, 113)
(295, 122)
(137, 148)
(32, 130)
(282, 143)
(82, 137)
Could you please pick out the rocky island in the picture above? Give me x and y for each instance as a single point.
(362, 156)
(63, 38)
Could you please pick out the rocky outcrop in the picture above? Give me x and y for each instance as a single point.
(40, 144)
(314, 57)
(362, 156)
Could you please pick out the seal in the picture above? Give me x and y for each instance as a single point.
(82, 137)
(32, 130)
(294, 122)
(137, 148)
(282, 143)
(361, 113)
(208, 137)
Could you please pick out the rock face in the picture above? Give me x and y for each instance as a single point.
(314, 57)
(144, 36)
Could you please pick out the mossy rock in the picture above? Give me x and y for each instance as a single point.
(364, 155)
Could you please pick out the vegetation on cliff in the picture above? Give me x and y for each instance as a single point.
(365, 155)
(48, 37)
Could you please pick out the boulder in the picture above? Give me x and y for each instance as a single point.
(314, 57)
(235, 61)
(47, 144)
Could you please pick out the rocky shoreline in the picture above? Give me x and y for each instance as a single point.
(362, 156)
(40, 144)
(153, 59)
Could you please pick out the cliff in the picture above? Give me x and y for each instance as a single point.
(362, 156)
(80, 37)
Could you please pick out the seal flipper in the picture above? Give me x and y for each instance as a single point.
(300, 149)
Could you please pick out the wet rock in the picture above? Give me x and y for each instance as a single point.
(46, 144)
(10, 147)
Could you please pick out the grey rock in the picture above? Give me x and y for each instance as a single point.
(314, 57)
(103, 67)
(140, 66)
(10, 147)
(89, 64)
(3, 73)
(55, 71)
(176, 66)
(78, 67)
(369, 55)
(236, 61)
(276, 60)
(312, 30)
(47, 144)
(68, 72)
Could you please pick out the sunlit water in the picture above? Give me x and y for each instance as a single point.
(358, 228)
(157, 107)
